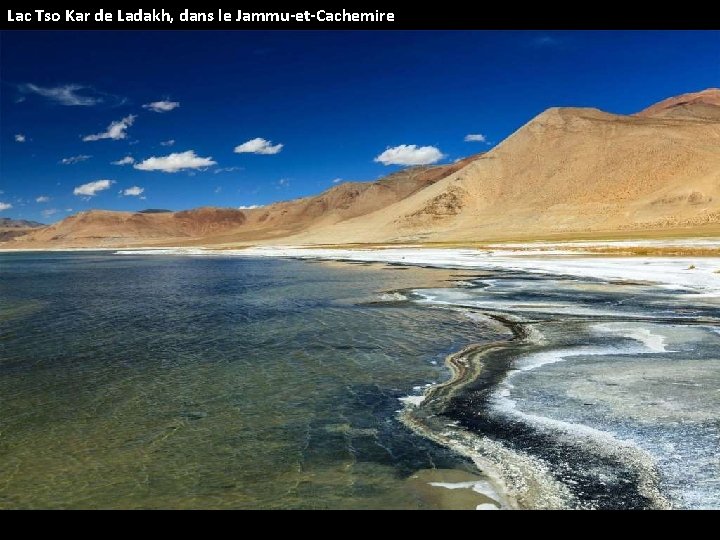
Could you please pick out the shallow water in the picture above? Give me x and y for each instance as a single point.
(617, 392)
(177, 382)
(607, 397)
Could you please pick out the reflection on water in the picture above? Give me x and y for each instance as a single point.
(151, 382)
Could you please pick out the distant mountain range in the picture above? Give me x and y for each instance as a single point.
(14, 228)
(7, 223)
(569, 172)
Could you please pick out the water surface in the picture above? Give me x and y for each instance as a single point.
(180, 382)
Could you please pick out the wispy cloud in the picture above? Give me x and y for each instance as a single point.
(69, 95)
(227, 170)
(74, 160)
(171, 142)
(42, 199)
(338, 181)
(284, 182)
(5, 206)
(20, 138)
(251, 207)
(259, 146)
(476, 137)
(93, 188)
(134, 191)
(410, 154)
(115, 131)
(162, 106)
(128, 160)
(49, 212)
(176, 162)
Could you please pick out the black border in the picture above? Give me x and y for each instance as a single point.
(537, 16)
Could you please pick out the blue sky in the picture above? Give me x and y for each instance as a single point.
(249, 118)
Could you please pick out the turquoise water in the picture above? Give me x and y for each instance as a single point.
(174, 382)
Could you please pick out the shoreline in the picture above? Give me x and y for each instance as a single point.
(601, 245)
(456, 414)
(521, 479)
(463, 371)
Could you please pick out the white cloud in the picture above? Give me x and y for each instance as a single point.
(49, 212)
(259, 146)
(93, 188)
(162, 106)
(284, 182)
(68, 95)
(42, 199)
(176, 162)
(338, 181)
(115, 131)
(20, 138)
(252, 207)
(476, 137)
(74, 160)
(5, 206)
(134, 191)
(171, 142)
(129, 160)
(410, 154)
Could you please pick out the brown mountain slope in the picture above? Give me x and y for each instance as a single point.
(345, 201)
(13, 228)
(568, 171)
(705, 102)
(99, 228)
(216, 226)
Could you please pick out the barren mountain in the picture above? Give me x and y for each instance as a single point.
(7, 223)
(704, 102)
(569, 171)
(102, 229)
(13, 228)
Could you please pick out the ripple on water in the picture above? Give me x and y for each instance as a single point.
(153, 382)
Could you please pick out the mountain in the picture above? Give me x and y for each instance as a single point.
(568, 172)
(7, 223)
(697, 104)
(99, 228)
(14, 228)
